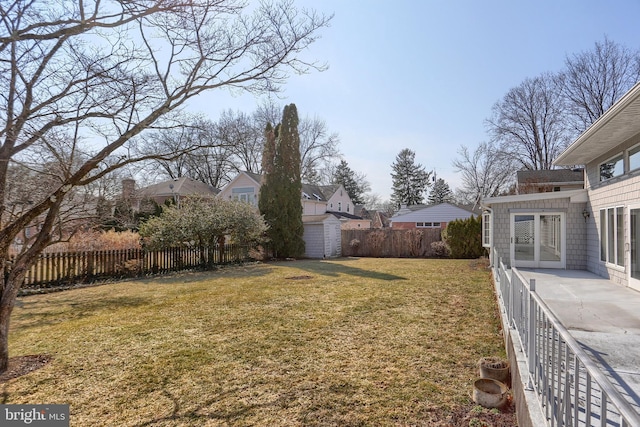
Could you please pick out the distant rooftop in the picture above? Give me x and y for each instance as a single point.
(180, 186)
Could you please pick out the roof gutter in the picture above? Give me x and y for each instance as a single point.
(596, 126)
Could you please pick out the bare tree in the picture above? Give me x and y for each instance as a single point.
(594, 80)
(530, 124)
(246, 137)
(81, 81)
(318, 147)
(211, 152)
(486, 172)
(190, 135)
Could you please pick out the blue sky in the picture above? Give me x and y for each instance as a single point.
(424, 74)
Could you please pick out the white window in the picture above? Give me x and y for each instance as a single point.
(634, 158)
(427, 225)
(486, 229)
(612, 236)
(244, 194)
(339, 206)
(612, 168)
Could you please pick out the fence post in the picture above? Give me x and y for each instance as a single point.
(511, 300)
(532, 333)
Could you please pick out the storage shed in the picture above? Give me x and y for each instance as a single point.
(322, 236)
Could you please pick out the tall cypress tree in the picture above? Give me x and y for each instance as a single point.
(282, 187)
(267, 203)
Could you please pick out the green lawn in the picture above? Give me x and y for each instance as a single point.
(346, 342)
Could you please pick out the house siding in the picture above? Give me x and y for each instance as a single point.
(340, 202)
(312, 207)
(623, 191)
(575, 235)
(241, 181)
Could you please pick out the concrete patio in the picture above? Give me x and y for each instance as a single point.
(602, 316)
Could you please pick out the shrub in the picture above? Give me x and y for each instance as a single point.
(94, 240)
(440, 249)
(464, 237)
(354, 244)
(414, 238)
(376, 242)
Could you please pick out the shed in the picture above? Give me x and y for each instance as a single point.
(322, 236)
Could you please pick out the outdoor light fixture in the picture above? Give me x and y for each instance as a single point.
(585, 214)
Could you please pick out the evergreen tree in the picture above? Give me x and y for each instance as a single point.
(441, 193)
(344, 175)
(282, 187)
(269, 151)
(410, 180)
(267, 203)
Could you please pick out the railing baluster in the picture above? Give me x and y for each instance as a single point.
(603, 409)
(588, 395)
(550, 350)
(576, 381)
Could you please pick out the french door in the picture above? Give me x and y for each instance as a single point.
(538, 240)
(634, 247)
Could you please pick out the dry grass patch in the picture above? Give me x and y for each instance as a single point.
(348, 342)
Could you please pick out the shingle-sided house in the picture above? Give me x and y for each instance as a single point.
(596, 228)
(433, 216)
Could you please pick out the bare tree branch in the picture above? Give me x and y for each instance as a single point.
(82, 80)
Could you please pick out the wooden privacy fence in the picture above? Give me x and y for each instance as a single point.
(390, 243)
(61, 268)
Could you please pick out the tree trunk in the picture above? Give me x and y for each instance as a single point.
(12, 281)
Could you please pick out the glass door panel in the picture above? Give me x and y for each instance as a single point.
(538, 240)
(550, 238)
(524, 237)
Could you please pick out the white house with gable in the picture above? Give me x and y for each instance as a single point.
(322, 234)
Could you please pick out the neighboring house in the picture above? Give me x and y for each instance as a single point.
(317, 201)
(352, 222)
(322, 236)
(378, 219)
(542, 181)
(596, 228)
(428, 216)
(314, 200)
(244, 187)
(173, 189)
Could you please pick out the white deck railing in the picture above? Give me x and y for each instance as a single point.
(571, 388)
